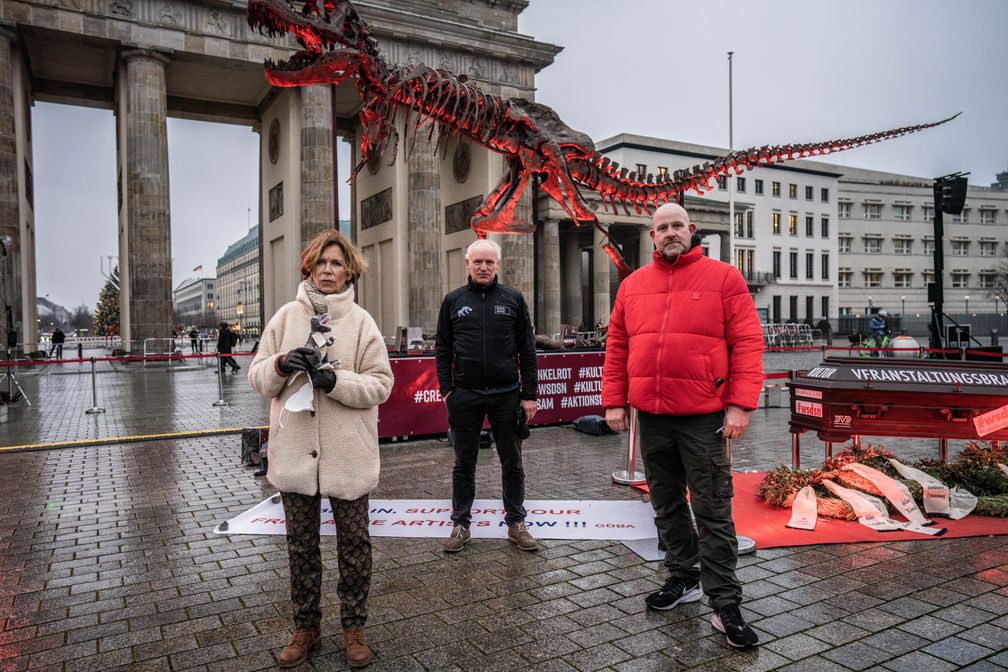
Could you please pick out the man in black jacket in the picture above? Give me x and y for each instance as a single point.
(486, 367)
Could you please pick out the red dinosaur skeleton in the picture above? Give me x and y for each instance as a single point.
(338, 46)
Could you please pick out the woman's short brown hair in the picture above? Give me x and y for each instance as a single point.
(353, 260)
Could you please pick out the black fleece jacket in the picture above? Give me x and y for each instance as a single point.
(484, 339)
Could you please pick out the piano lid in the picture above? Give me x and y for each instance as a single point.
(924, 375)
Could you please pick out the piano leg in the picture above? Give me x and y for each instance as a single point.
(943, 450)
(829, 450)
(795, 451)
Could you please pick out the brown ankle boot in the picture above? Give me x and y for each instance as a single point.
(358, 654)
(302, 642)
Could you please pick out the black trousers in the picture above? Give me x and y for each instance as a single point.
(466, 411)
(681, 452)
(228, 360)
(302, 515)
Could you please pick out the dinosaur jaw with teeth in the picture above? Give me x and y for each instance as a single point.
(324, 47)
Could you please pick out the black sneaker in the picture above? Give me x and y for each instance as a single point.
(676, 591)
(729, 621)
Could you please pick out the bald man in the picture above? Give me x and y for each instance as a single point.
(685, 349)
(486, 368)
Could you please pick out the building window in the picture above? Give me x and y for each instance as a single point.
(740, 184)
(776, 264)
(824, 197)
(777, 309)
(794, 264)
(776, 222)
(928, 213)
(809, 307)
(929, 245)
(824, 259)
(872, 245)
(988, 248)
(873, 211)
(641, 171)
(825, 226)
(662, 171)
(793, 308)
(960, 279)
(809, 193)
(873, 278)
(902, 278)
(902, 213)
(988, 216)
(758, 186)
(960, 248)
(844, 243)
(902, 246)
(809, 225)
(809, 265)
(792, 224)
(775, 188)
(961, 218)
(739, 225)
(792, 191)
(987, 279)
(844, 276)
(749, 224)
(722, 182)
(844, 210)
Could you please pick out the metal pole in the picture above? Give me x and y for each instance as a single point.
(795, 450)
(220, 383)
(730, 176)
(629, 476)
(746, 545)
(95, 409)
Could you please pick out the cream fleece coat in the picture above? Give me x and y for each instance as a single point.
(334, 452)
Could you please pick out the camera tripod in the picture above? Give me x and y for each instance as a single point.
(13, 382)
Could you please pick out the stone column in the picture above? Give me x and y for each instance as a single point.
(424, 231)
(601, 264)
(517, 266)
(147, 197)
(549, 278)
(571, 294)
(10, 212)
(317, 212)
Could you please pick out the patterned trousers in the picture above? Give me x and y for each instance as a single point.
(353, 546)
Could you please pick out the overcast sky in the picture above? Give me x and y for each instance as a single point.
(803, 71)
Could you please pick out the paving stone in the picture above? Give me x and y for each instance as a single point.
(916, 661)
(957, 650)
(857, 655)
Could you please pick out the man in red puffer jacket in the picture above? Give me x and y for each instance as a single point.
(685, 349)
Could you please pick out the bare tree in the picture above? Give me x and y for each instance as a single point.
(1000, 289)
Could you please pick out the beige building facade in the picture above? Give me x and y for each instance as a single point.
(238, 284)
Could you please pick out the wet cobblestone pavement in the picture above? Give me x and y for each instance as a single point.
(108, 560)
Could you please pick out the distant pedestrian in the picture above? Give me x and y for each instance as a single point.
(58, 339)
(193, 340)
(226, 340)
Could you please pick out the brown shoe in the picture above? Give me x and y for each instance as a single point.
(456, 541)
(358, 653)
(302, 642)
(518, 535)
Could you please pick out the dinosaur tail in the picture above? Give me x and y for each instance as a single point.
(618, 187)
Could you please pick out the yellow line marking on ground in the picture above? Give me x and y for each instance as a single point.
(127, 439)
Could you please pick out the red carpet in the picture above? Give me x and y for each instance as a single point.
(765, 524)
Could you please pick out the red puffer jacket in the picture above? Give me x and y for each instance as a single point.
(684, 338)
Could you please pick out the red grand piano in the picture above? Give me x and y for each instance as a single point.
(847, 397)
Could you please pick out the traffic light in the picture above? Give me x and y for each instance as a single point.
(950, 194)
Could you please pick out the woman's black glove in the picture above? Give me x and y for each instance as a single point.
(324, 380)
(299, 359)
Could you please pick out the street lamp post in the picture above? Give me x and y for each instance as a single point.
(967, 306)
(903, 313)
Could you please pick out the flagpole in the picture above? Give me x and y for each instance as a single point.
(731, 177)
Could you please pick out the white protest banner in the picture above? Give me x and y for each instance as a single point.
(803, 510)
(1004, 468)
(938, 499)
(893, 490)
(871, 512)
(547, 519)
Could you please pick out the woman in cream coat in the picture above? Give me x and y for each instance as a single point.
(331, 451)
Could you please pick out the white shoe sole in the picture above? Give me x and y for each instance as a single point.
(687, 597)
(715, 621)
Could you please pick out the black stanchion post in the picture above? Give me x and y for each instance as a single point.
(220, 383)
(746, 545)
(95, 409)
(630, 476)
